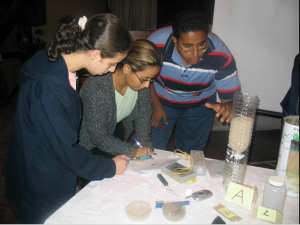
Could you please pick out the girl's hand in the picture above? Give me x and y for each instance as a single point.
(121, 164)
(138, 152)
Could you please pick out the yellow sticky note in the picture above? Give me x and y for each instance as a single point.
(267, 214)
(240, 195)
(226, 212)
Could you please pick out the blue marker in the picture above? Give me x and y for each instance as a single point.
(137, 143)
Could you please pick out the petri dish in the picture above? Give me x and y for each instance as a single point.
(138, 211)
(173, 212)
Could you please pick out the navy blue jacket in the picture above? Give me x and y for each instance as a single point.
(290, 103)
(43, 159)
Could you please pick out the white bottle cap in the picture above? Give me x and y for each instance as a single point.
(188, 192)
(276, 181)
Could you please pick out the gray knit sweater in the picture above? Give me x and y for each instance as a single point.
(100, 117)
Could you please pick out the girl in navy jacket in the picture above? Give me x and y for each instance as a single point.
(44, 159)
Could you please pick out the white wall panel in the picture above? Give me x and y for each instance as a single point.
(263, 36)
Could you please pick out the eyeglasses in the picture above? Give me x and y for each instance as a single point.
(143, 81)
(190, 49)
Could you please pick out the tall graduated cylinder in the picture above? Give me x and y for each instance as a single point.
(240, 135)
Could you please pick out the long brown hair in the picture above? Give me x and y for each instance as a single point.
(104, 32)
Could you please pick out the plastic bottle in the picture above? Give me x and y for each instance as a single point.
(240, 134)
(274, 193)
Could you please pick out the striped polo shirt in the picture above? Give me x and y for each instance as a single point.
(178, 86)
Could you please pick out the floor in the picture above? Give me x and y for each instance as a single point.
(264, 148)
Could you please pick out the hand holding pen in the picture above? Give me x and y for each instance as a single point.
(140, 150)
(137, 143)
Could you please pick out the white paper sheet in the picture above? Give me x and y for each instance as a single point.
(160, 160)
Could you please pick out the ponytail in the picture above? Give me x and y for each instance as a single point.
(104, 32)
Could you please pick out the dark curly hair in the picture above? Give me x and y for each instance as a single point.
(189, 20)
(104, 32)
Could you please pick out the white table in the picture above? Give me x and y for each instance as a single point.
(104, 202)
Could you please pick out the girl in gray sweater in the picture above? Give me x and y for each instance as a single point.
(121, 96)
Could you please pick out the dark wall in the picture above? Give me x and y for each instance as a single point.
(33, 13)
(167, 9)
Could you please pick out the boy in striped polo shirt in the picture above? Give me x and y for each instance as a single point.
(197, 65)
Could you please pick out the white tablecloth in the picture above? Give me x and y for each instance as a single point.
(104, 202)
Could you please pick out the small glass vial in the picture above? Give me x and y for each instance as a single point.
(274, 193)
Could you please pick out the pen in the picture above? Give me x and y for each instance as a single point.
(159, 204)
(137, 143)
(163, 128)
(142, 157)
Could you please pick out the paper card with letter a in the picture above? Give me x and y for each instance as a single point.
(242, 195)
